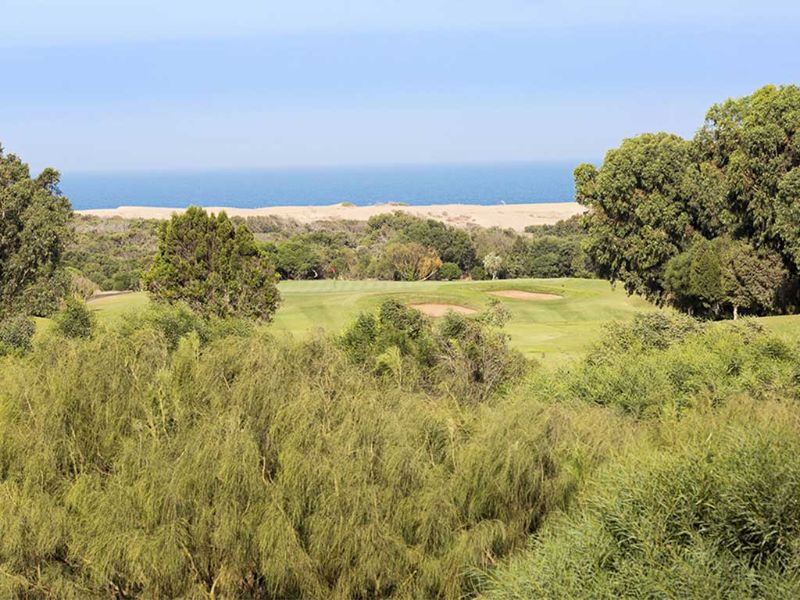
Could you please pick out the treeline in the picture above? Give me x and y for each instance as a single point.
(115, 253)
(175, 455)
(710, 225)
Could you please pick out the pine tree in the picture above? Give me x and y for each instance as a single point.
(213, 266)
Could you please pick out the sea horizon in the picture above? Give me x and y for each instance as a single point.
(531, 182)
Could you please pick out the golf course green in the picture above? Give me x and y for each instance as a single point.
(551, 330)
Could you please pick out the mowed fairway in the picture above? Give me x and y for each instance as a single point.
(552, 330)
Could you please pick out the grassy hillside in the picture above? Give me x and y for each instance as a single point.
(551, 331)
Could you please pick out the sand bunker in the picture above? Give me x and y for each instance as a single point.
(520, 295)
(440, 310)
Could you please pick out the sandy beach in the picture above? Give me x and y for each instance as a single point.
(513, 216)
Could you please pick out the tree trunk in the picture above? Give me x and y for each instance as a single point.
(735, 312)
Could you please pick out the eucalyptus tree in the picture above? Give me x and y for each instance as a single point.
(34, 226)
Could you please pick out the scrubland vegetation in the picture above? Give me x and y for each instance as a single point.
(172, 456)
(116, 253)
(193, 449)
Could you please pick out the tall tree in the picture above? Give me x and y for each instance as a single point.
(639, 215)
(753, 143)
(736, 185)
(34, 226)
(216, 268)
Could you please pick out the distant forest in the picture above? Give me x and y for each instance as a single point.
(114, 253)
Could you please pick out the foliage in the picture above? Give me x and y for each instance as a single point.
(314, 256)
(463, 357)
(754, 144)
(477, 273)
(711, 512)
(79, 285)
(75, 320)
(638, 210)
(449, 243)
(112, 252)
(646, 331)
(709, 224)
(571, 227)
(547, 256)
(411, 261)
(176, 321)
(216, 268)
(449, 271)
(115, 252)
(16, 334)
(173, 457)
(33, 232)
(685, 368)
(493, 263)
(234, 468)
(723, 276)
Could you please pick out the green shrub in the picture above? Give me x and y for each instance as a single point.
(81, 286)
(449, 271)
(477, 273)
(252, 467)
(716, 513)
(647, 331)
(176, 321)
(16, 333)
(112, 252)
(466, 358)
(653, 367)
(75, 320)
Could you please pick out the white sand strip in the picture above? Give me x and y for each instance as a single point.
(513, 216)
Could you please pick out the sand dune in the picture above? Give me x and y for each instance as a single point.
(514, 216)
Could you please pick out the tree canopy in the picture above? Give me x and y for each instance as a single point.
(658, 198)
(33, 231)
(213, 266)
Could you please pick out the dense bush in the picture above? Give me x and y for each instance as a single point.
(477, 273)
(464, 358)
(178, 456)
(449, 271)
(449, 243)
(115, 253)
(251, 467)
(712, 513)
(80, 285)
(315, 255)
(16, 333)
(177, 320)
(659, 366)
(75, 320)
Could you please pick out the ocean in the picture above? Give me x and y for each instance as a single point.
(510, 183)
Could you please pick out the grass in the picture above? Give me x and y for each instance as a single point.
(552, 331)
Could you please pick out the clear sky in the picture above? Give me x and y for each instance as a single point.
(143, 84)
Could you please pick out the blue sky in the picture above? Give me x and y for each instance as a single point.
(103, 85)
